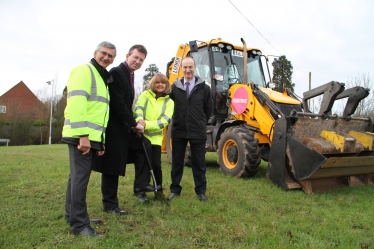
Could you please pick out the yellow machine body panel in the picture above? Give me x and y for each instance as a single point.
(279, 97)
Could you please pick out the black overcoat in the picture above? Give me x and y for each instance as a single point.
(121, 118)
(191, 114)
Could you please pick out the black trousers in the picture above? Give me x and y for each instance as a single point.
(76, 191)
(156, 163)
(197, 147)
(109, 190)
(136, 155)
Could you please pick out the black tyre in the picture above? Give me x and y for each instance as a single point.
(169, 147)
(238, 152)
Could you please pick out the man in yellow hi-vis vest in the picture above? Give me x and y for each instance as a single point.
(86, 118)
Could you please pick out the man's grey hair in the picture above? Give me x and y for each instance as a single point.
(107, 45)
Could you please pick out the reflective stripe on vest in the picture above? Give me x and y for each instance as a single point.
(162, 115)
(93, 96)
(168, 119)
(139, 115)
(152, 134)
(83, 124)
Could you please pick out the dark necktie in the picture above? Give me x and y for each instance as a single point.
(132, 81)
(187, 89)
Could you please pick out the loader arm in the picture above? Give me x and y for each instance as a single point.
(264, 100)
(355, 95)
(329, 91)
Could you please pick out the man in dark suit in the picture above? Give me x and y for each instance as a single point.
(192, 108)
(121, 133)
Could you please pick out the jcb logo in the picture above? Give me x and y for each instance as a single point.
(177, 63)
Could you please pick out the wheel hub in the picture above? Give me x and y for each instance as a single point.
(232, 153)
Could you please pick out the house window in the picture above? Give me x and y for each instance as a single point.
(2, 109)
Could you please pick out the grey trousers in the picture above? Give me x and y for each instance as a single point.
(80, 171)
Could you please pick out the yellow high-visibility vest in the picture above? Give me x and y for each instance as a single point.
(87, 109)
(157, 114)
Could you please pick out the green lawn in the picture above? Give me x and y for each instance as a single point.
(241, 213)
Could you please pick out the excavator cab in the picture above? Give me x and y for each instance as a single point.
(221, 66)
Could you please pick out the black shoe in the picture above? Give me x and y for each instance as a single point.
(89, 232)
(95, 221)
(118, 211)
(173, 195)
(159, 188)
(148, 188)
(202, 198)
(142, 198)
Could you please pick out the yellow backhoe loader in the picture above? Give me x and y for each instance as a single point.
(250, 122)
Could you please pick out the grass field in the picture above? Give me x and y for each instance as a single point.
(241, 213)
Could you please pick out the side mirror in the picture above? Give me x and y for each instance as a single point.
(193, 46)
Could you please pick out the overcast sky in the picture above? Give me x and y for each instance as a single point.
(43, 40)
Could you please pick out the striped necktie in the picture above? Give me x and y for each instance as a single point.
(187, 89)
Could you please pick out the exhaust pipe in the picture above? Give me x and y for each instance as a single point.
(245, 59)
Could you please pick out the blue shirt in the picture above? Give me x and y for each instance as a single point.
(192, 83)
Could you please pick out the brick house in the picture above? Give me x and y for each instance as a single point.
(21, 104)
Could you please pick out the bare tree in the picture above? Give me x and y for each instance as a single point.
(366, 106)
(315, 104)
(43, 94)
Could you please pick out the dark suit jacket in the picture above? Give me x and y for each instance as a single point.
(114, 160)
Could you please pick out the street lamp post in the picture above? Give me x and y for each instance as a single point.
(50, 118)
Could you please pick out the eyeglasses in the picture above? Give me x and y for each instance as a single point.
(106, 54)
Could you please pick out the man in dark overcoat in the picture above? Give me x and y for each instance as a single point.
(192, 108)
(122, 143)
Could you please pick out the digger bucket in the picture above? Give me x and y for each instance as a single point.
(321, 154)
